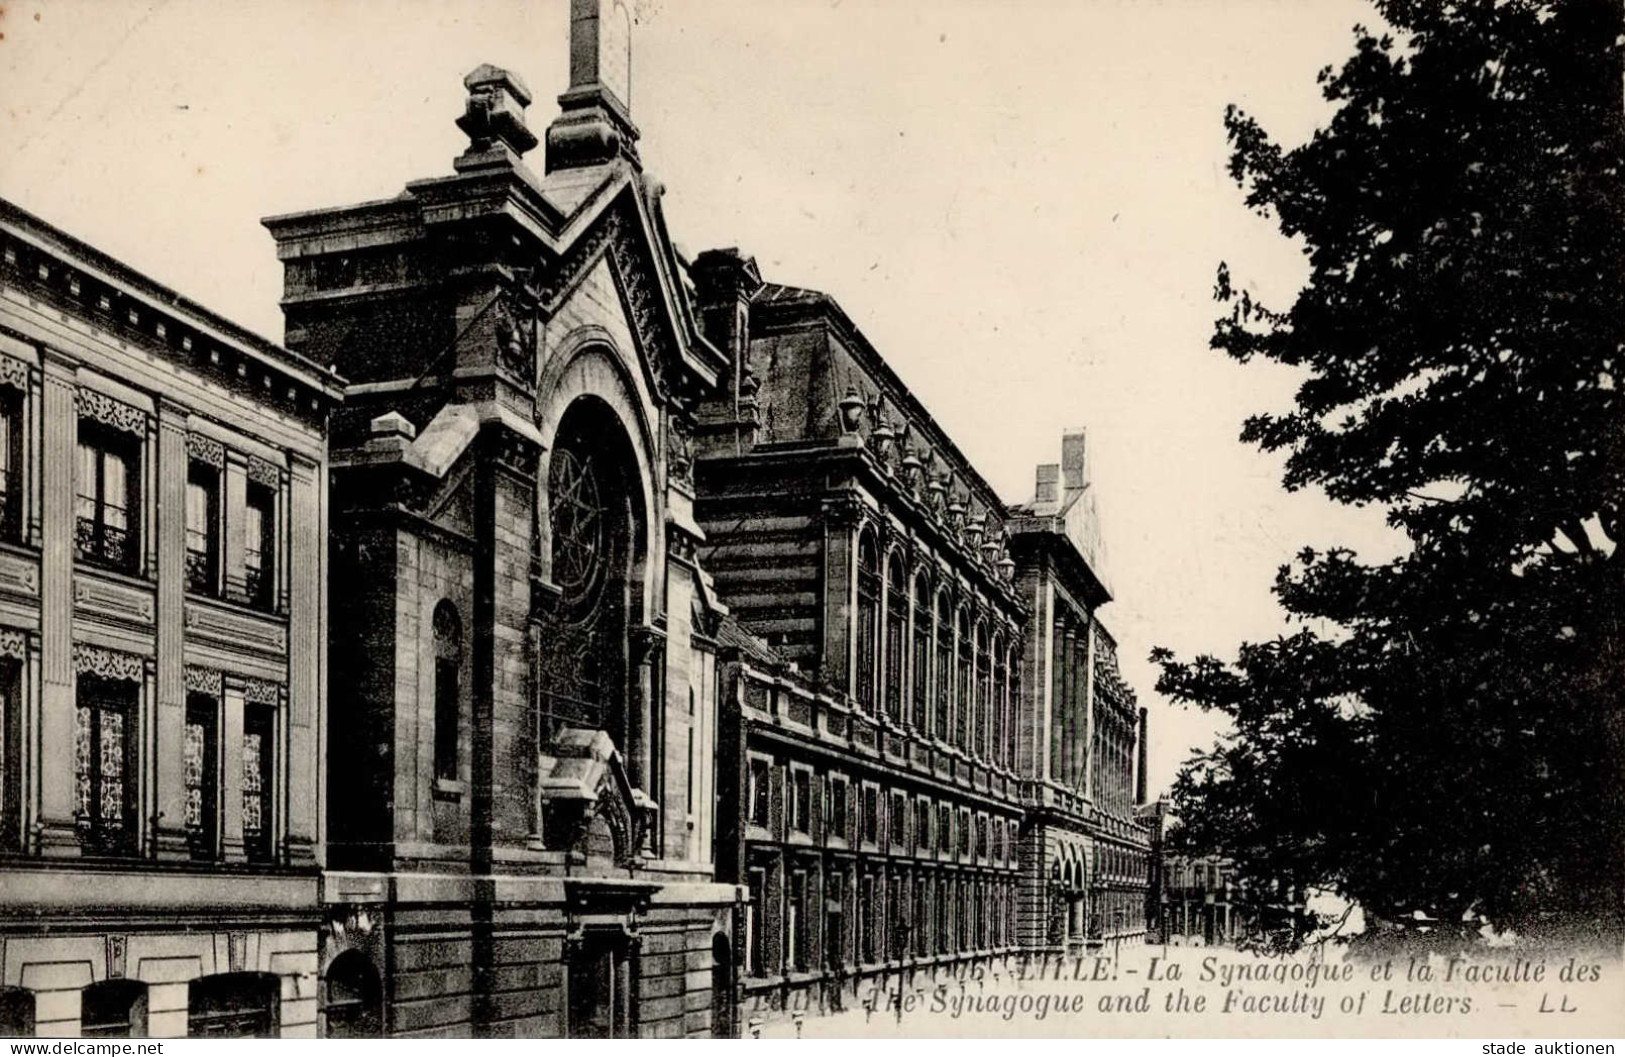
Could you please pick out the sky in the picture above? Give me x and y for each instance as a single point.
(1021, 203)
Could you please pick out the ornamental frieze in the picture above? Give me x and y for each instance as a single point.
(205, 450)
(108, 664)
(13, 373)
(201, 680)
(262, 692)
(115, 414)
(264, 472)
(13, 644)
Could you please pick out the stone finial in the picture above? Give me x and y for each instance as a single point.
(494, 119)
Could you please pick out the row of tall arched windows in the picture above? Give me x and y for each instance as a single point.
(962, 691)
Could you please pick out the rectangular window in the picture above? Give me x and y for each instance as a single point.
(258, 755)
(104, 747)
(945, 828)
(201, 774)
(259, 546)
(801, 812)
(964, 832)
(796, 922)
(922, 824)
(203, 530)
(11, 756)
(871, 815)
(105, 504)
(11, 464)
(754, 917)
(895, 830)
(837, 807)
(834, 927)
(759, 793)
(866, 919)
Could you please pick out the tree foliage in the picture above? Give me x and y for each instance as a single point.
(1448, 739)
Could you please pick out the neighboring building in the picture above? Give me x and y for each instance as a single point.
(870, 716)
(1084, 858)
(525, 648)
(1195, 909)
(162, 509)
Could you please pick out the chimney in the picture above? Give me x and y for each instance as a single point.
(1139, 778)
(594, 125)
(1074, 465)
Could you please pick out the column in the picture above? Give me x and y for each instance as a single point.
(60, 424)
(170, 711)
(1089, 706)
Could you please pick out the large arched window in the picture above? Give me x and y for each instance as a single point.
(868, 620)
(964, 690)
(593, 513)
(945, 666)
(353, 998)
(448, 668)
(113, 1009)
(984, 695)
(896, 636)
(922, 650)
(999, 703)
(1012, 730)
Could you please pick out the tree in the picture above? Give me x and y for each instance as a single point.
(1449, 741)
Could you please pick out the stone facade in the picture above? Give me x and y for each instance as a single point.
(1085, 856)
(162, 509)
(522, 831)
(872, 714)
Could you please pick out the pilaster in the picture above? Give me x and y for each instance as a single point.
(60, 422)
(170, 710)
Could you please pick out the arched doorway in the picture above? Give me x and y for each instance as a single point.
(234, 1005)
(722, 988)
(16, 1013)
(594, 517)
(352, 998)
(112, 1009)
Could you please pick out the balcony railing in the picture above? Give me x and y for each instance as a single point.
(102, 541)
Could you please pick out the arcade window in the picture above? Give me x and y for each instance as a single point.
(896, 634)
(868, 622)
(922, 651)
